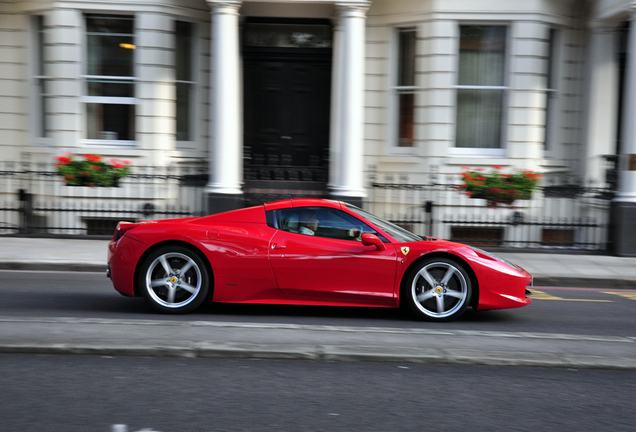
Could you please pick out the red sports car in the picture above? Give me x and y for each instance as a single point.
(307, 252)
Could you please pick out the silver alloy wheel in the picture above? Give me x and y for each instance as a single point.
(439, 289)
(173, 280)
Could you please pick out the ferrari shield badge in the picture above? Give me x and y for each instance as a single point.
(405, 250)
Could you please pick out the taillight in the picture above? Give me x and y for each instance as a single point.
(121, 229)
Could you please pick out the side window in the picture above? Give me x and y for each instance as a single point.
(322, 222)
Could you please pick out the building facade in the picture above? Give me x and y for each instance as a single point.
(315, 97)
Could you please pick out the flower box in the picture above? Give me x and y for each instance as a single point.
(498, 188)
(91, 170)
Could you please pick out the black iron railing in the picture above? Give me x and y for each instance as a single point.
(34, 200)
(561, 214)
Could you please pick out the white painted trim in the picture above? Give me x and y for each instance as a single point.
(110, 77)
(109, 100)
(109, 143)
(476, 87)
(477, 152)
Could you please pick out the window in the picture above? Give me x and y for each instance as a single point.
(281, 35)
(322, 222)
(184, 82)
(481, 89)
(39, 78)
(109, 80)
(551, 89)
(405, 88)
(398, 233)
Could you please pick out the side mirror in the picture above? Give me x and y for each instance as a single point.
(369, 239)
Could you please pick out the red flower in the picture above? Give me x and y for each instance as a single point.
(92, 158)
(63, 160)
(498, 167)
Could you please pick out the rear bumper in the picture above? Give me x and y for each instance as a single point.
(123, 256)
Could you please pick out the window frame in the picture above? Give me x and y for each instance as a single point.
(505, 88)
(86, 99)
(396, 90)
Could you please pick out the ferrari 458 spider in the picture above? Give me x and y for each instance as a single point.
(307, 252)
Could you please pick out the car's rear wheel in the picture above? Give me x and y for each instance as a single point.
(174, 279)
(438, 289)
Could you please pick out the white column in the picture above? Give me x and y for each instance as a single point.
(335, 119)
(348, 177)
(627, 162)
(225, 134)
(63, 65)
(602, 102)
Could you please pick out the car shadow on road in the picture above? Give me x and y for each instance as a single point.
(109, 305)
(336, 314)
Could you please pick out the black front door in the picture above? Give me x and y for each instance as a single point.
(286, 121)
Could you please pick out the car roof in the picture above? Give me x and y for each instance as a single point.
(302, 202)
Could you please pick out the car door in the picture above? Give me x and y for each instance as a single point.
(331, 265)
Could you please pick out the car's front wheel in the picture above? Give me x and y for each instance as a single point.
(174, 279)
(438, 289)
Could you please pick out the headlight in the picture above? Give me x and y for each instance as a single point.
(495, 257)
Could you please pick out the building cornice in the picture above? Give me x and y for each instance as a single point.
(225, 4)
(353, 6)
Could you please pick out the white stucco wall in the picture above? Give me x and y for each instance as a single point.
(576, 144)
(437, 24)
(14, 122)
(64, 54)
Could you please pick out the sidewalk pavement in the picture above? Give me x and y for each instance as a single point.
(212, 339)
(549, 269)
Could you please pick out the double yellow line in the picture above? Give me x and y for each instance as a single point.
(542, 295)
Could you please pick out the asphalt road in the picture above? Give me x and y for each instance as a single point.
(91, 393)
(95, 393)
(90, 295)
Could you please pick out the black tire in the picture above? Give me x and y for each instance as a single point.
(166, 287)
(437, 289)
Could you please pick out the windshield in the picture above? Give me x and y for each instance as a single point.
(398, 233)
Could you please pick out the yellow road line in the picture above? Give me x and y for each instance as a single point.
(627, 295)
(542, 295)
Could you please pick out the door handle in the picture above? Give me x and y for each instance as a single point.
(285, 137)
(276, 246)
